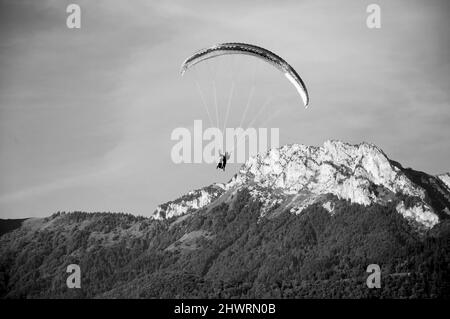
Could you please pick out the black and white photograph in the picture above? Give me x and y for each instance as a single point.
(224, 155)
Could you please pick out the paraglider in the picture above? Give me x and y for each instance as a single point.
(223, 161)
(253, 50)
(263, 54)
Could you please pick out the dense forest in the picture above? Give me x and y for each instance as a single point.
(8, 225)
(228, 252)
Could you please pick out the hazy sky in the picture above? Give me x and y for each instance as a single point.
(86, 115)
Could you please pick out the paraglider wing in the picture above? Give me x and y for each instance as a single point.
(253, 50)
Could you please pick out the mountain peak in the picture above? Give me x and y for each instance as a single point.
(343, 169)
(295, 176)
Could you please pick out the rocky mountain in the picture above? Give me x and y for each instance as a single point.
(298, 221)
(189, 202)
(294, 177)
(445, 178)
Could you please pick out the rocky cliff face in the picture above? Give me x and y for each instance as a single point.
(293, 177)
(189, 202)
(445, 178)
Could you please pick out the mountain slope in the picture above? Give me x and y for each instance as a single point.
(296, 176)
(7, 225)
(189, 202)
(295, 222)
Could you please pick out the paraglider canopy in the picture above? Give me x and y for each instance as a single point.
(253, 50)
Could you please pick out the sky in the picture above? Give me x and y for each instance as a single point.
(86, 115)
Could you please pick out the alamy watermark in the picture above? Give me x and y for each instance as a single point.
(204, 145)
(74, 279)
(374, 279)
(73, 20)
(373, 20)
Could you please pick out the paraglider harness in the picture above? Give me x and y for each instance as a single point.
(223, 161)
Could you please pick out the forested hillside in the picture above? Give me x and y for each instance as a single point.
(228, 252)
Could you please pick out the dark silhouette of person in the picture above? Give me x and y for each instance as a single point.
(222, 162)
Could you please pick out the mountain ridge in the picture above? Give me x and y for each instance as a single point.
(285, 226)
(295, 176)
